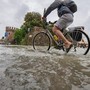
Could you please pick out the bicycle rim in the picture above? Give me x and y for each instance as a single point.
(41, 42)
(80, 46)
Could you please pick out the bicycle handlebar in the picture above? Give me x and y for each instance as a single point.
(52, 22)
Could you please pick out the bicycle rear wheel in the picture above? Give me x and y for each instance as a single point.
(81, 42)
(41, 41)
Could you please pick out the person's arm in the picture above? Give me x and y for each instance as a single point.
(53, 6)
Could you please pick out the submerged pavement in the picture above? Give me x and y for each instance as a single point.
(22, 68)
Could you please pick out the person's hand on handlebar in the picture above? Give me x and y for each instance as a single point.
(43, 19)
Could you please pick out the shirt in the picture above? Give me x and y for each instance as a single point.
(55, 5)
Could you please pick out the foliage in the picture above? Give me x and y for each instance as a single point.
(32, 19)
(18, 36)
(23, 42)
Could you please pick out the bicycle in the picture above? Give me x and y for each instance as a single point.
(43, 40)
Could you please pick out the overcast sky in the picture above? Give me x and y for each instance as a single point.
(12, 12)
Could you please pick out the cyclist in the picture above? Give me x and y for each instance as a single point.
(65, 9)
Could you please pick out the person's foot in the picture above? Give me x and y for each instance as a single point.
(68, 46)
(68, 49)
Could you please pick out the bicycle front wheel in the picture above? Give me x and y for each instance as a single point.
(41, 41)
(80, 41)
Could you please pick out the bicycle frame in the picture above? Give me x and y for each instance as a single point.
(51, 36)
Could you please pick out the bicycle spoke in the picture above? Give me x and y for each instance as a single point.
(41, 42)
(81, 43)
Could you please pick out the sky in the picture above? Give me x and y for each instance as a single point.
(12, 13)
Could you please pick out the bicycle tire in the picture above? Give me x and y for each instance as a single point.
(80, 48)
(41, 41)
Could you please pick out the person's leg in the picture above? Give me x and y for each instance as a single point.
(57, 31)
(62, 23)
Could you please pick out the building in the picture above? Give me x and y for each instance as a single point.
(9, 34)
(2, 41)
(32, 33)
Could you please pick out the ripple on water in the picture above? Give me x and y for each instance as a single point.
(33, 70)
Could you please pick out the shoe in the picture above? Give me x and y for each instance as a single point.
(68, 49)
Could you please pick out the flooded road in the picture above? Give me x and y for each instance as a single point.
(22, 68)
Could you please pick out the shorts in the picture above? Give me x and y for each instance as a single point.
(64, 21)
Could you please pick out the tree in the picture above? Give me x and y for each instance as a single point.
(18, 36)
(32, 19)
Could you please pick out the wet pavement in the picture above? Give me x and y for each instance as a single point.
(22, 68)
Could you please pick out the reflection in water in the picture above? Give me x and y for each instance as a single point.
(26, 69)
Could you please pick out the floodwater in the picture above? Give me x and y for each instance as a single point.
(22, 68)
